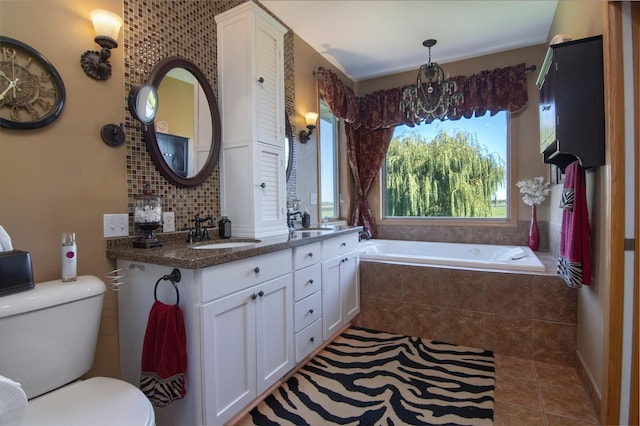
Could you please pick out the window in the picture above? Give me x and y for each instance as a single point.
(329, 190)
(448, 169)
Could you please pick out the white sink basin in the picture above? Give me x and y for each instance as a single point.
(311, 232)
(231, 244)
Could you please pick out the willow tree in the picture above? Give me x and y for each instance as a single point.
(449, 176)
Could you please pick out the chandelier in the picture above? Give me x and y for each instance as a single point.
(432, 97)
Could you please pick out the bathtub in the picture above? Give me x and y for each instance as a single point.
(452, 255)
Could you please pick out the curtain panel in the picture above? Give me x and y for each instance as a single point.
(371, 118)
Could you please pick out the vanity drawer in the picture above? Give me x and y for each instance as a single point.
(332, 247)
(307, 311)
(307, 255)
(227, 278)
(308, 340)
(307, 281)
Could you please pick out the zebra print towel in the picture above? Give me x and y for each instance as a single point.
(366, 377)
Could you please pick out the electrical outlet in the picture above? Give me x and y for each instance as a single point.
(313, 199)
(169, 222)
(116, 225)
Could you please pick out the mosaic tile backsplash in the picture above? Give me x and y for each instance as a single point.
(157, 29)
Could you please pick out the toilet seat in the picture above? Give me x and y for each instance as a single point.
(96, 401)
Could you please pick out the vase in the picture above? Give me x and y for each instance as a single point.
(534, 233)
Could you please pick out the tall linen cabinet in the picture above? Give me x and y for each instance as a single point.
(251, 99)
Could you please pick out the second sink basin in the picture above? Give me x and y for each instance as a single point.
(230, 244)
(311, 232)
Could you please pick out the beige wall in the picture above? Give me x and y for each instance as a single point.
(62, 177)
(579, 19)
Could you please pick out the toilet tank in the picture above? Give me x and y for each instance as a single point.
(48, 334)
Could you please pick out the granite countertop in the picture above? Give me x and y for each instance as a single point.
(180, 254)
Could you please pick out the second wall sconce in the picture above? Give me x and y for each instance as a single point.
(310, 119)
(107, 27)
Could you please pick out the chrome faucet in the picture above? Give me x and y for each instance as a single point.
(365, 234)
(291, 217)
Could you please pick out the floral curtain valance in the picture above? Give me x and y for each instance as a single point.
(500, 89)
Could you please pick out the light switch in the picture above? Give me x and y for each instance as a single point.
(169, 222)
(116, 225)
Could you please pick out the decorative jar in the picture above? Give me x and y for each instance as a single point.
(147, 216)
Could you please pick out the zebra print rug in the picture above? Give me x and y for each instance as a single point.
(366, 377)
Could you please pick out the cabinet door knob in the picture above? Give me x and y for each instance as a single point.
(263, 185)
(261, 293)
(310, 281)
(261, 80)
(254, 296)
(312, 339)
(310, 311)
(546, 107)
(310, 254)
(256, 269)
(343, 244)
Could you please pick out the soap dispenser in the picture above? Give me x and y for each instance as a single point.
(224, 227)
(306, 218)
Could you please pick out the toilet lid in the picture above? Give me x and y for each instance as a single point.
(96, 401)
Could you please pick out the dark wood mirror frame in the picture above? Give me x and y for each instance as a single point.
(291, 143)
(155, 78)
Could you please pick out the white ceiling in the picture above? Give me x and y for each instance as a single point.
(373, 38)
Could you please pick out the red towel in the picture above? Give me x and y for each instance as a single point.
(164, 355)
(574, 263)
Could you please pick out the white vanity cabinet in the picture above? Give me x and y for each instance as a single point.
(251, 99)
(308, 300)
(247, 335)
(340, 282)
(249, 322)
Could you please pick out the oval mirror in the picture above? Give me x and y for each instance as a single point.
(184, 139)
(288, 145)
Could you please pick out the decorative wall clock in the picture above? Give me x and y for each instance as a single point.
(31, 91)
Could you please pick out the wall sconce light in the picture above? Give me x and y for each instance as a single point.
(107, 27)
(310, 119)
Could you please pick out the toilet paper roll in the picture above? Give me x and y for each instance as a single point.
(13, 402)
(5, 240)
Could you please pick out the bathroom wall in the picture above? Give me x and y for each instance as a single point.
(62, 177)
(582, 19)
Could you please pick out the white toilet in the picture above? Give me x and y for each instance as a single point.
(48, 338)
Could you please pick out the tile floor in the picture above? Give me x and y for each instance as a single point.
(537, 393)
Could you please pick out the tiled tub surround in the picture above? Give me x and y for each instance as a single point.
(502, 235)
(519, 315)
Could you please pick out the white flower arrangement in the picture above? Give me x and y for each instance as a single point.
(535, 190)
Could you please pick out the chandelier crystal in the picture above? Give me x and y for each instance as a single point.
(433, 96)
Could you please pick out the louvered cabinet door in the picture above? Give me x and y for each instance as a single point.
(270, 87)
(270, 188)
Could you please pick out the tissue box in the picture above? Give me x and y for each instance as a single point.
(16, 273)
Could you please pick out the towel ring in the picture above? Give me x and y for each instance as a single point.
(175, 276)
